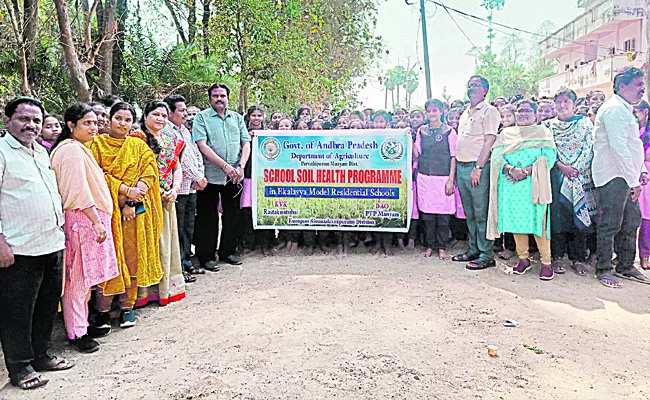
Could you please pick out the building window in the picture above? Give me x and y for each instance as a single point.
(612, 51)
(593, 15)
(630, 45)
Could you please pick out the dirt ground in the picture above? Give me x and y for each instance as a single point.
(370, 327)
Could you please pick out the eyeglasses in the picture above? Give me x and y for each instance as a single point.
(525, 111)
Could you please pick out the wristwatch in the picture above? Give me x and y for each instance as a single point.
(131, 203)
(478, 167)
(240, 166)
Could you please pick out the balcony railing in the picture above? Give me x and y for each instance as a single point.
(591, 74)
(595, 18)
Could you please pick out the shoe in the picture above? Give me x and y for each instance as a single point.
(211, 266)
(102, 320)
(96, 332)
(85, 344)
(546, 273)
(232, 260)
(128, 318)
(100, 326)
(522, 267)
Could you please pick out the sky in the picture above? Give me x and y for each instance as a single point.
(451, 66)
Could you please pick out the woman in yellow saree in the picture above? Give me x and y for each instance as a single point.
(131, 171)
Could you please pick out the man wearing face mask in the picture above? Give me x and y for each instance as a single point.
(223, 139)
(31, 247)
(619, 172)
(477, 130)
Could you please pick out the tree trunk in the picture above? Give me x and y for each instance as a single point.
(177, 22)
(106, 49)
(398, 100)
(18, 35)
(243, 97)
(191, 20)
(385, 98)
(75, 69)
(118, 49)
(392, 98)
(30, 29)
(206, 24)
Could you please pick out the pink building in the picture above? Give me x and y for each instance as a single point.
(592, 48)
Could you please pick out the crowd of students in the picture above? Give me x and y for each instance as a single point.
(127, 198)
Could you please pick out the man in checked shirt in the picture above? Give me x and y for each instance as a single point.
(193, 180)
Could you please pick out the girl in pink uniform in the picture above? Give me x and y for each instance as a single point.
(435, 149)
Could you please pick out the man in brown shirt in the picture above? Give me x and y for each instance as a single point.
(477, 130)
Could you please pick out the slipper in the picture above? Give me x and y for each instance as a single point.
(634, 275)
(51, 363)
(479, 265)
(189, 278)
(558, 267)
(32, 380)
(609, 281)
(465, 257)
(580, 268)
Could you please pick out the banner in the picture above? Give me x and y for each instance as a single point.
(347, 180)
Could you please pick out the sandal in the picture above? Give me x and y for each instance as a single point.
(558, 266)
(189, 278)
(479, 265)
(465, 257)
(609, 280)
(507, 254)
(634, 275)
(195, 271)
(51, 363)
(32, 380)
(580, 268)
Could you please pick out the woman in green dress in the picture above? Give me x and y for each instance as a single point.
(520, 186)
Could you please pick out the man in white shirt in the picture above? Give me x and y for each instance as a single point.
(618, 173)
(31, 247)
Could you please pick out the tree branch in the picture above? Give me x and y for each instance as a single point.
(177, 22)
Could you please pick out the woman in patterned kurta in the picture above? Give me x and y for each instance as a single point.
(574, 204)
(167, 149)
(520, 186)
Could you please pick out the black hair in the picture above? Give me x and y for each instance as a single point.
(12, 105)
(172, 99)
(96, 104)
(568, 93)
(625, 77)
(358, 114)
(276, 112)
(592, 93)
(219, 86)
(250, 111)
(72, 114)
(300, 110)
(530, 102)
(514, 99)
(151, 141)
(317, 121)
(439, 105)
(55, 116)
(108, 100)
(276, 124)
(484, 81)
(297, 122)
(457, 104)
(381, 113)
(643, 105)
(122, 106)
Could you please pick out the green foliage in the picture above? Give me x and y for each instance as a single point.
(509, 75)
(283, 53)
(288, 53)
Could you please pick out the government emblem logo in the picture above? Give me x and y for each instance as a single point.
(392, 149)
(270, 148)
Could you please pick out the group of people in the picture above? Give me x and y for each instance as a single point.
(107, 206)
